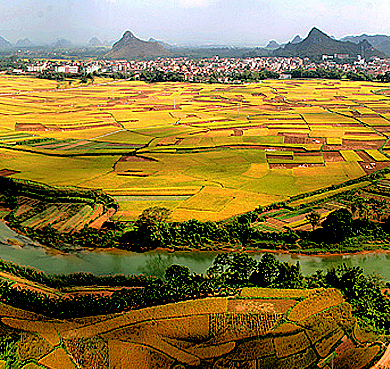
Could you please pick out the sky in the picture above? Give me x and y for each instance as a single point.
(190, 22)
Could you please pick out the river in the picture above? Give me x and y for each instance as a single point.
(154, 263)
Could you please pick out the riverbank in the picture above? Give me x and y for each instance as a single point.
(238, 248)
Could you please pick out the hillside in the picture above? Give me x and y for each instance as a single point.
(263, 328)
(4, 43)
(24, 43)
(317, 43)
(129, 47)
(380, 42)
(94, 41)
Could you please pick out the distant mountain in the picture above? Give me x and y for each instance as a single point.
(94, 41)
(162, 43)
(272, 45)
(317, 43)
(25, 42)
(297, 39)
(380, 42)
(129, 47)
(4, 43)
(63, 44)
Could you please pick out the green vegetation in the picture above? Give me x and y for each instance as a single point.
(228, 273)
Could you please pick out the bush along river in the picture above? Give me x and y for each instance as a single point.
(21, 250)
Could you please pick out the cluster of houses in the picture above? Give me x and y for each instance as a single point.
(198, 69)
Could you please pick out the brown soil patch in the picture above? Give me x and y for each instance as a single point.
(274, 107)
(97, 224)
(260, 306)
(333, 147)
(208, 121)
(134, 173)
(300, 121)
(301, 140)
(287, 157)
(308, 154)
(344, 346)
(134, 158)
(365, 157)
(41, 127)
(8, 172)
(369, 116)
(269, 149)
(276, 100)
(293, 165)
(113, 145)
(350, 133)
(29, 127)
(165, 107)
(276, 222)
(382, 129)
(303, 216)
(333, 156)
(293, 134)
(368, 168)
(237, 132)
(360, 144)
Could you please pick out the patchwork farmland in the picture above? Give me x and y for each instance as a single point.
(261, 328)
(206, 151)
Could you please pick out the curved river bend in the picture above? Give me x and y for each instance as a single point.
(154, 263)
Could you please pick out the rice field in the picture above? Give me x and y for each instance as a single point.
(236, 146)
(260, 328)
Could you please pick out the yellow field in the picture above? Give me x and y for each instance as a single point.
(235, 146)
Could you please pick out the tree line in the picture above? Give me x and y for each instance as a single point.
(228, 274)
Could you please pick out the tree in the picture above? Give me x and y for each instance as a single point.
(151, 228)
(338, 224)
(234, 268)
(267, 272)
(290, 275)
(313, 218)
(178, 278)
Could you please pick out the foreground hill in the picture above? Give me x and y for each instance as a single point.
(129, 47)
(317, 43)
(263, 328)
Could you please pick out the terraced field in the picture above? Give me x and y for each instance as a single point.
(204, 151)
(261, 328)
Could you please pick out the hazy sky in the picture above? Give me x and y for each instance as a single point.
(228, 22)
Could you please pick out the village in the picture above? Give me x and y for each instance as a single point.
(202, 69)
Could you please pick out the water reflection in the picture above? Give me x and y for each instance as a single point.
(155, 263)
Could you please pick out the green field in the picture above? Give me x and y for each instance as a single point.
(232, 145)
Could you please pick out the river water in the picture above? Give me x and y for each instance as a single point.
(154, 263)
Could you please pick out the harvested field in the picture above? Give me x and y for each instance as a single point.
(133, 135)
(215, 333)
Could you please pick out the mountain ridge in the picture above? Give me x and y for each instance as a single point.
(129, 46)
(318, 43)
